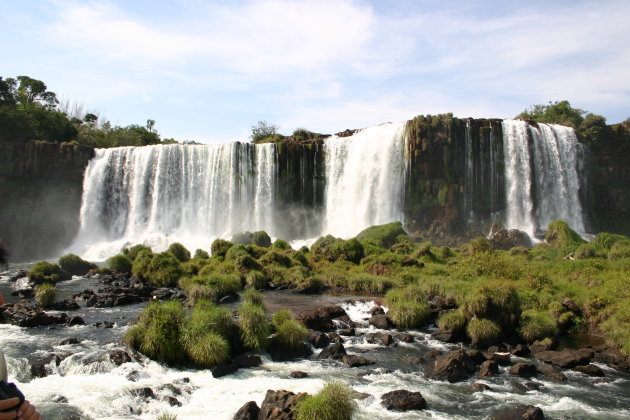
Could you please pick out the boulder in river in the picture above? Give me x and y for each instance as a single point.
(403, 400)
(380, 321)
(567, 358)
(520, 412)
(380, 338)
(321, 317)
(335, 351)
(452, 367)
(249, 411)
(279, 405)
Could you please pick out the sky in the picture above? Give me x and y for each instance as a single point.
(209, 70)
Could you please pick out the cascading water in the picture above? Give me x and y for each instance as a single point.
(162, 194)
(542, 176)
(365, 177)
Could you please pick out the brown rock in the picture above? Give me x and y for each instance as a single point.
(403, 400)
(551, 372)
(524, 370)
(488, 368)
(279, 405)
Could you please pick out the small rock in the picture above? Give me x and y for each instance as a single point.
(523, 369)
(380, 338)
(452, 367)
(403, 400)
(533, 386)
(566, 358)
(488, 368)
(520, 350)
(380, 321)
(478, 386)
(279, 405)
(318, 339)
(350, 332)
(551, 372)
(378, 310)
(172, 401)
(145, 392)
(69, 341)
(353, 360)
(249, 411)
(59, 399)
(502, 359)
(298, 374)
(407, 338)
(520, 412)
(335, 351)
(590, 370)
(433, 354)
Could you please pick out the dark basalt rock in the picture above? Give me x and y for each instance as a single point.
(65, 305)
(488, 368)
(279, 405)
(520, 412)
(566, 358)
(476, 356)
(146, 393)
(76, 320)
(335, 351)
(103, 324)
(69, 341)
(348, 332)
(249, 411)
(353, 360)
(41, 366)
(433, 354)
(520, 350)
(551, 372)
(321, 317)
(542, 345)
(380, 338)
(590, 370)
(403, 400)
(611, 357)
(318, 339)
(524, 370)
(240, 361)
(172, 401)
(378, 310)
(452, 367)
(118, 357)
(25, 316)
(501, 358)
(380, 321)
(507, 239)
(281, 353)
(298, 374)
(406, 338)
(478, 386)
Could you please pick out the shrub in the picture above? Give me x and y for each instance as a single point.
(445, 252)
(497, 301)
(621, 249)
(208, 350)
(120, 263)
(452, 320)
(206, 317)
(256, 280)
(211, 286)
(167, 416)
(179, 251)
(480, 245)
(239, 255)
(333, 402)
(291, 333)
(560, 236)
(135, 250)
(255, 328)
(606, 240)
(281, 245)
(261, 238)
(220, 247)
(164, 270)
(537, 325)
(351, 250)
(275, 257)
(483, 332)
(200, 254)
(279, 317)
(585, 251)
(253, 297)
(301, 259)
(45, 295)
(157, 333)
(74, 264)
(46, 272)
(140, 266)
(408, 307)
(384, 235)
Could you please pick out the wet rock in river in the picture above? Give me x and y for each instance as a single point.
(488, 368)
(403, 400)
(590, 370)
(380, 338)
(335, 351)
(380, 321)
(279, 405)
(282, 353)
(249, 411)
(318, 339)
(551, 372)
(353, 360)
(452, 367)
(520, 412)
(524, 370)
(321, 317)
(298, 374)
(566, 358)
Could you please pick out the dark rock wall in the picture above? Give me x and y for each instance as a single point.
(40, 197)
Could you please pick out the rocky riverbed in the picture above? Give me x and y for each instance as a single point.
(80, 369)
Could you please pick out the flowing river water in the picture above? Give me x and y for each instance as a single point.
(94, 387)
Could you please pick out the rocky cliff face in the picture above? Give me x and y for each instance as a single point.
(40, 196)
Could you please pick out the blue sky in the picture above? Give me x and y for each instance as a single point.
(208, 70)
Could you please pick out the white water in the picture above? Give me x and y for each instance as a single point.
(542, 177)
(162, 194)
(364, 179)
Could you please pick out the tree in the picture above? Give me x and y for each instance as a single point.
(150, 125)
(263, 130)
(90, 118)
(555, 113)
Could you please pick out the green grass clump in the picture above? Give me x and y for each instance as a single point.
(212, 286)
(497, 301)
(560, 236)
(452, 320)
(167, 416)
(480, 245)
(45, 295)
(483, 332)
(291, 333)
(617, 327)
(282, 315)
(45, 272)
(133, 252)
(408, 307)
(537, 325)
(275, 257)
(621, 249)
(157, 333)
(164, 270)
(253, 297)
(141, 262)
(256, 280)
(261, 238)
(120, 263)
(606, 240)
(585, 251)
(333, 402)
(74, 264)
(383, 235)
(281, 244)
(208, 350)
(179, 251)
(200, 254)
(220, 247)
(254, 325)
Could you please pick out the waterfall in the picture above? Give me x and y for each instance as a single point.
(543, 164)
(364, 179)
(167, 193)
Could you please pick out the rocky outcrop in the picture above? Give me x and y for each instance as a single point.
(280, 405)
(249, 411)
(321, 318)
(452, 367)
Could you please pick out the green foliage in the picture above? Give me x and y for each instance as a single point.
(383, 235)
(45, 272)
(275, 257)
(120, 263)
(45, 295)
(335, 249)
(141, 263)
(220, 247)
(585, 251)
(606, 240)
(179, 251)
(281, 244)
(211, 286)
(537, 325)
(480, 245)
(302, 134)
(255, 328)
(621, 249)
(291, 333)
(256, 280)
(408, 307)
(164, 270)
(157, 333)
(616, 327)
(560, 236)
(208, 350)
(253, 297)
(135, 250)
(497, 301)
(555, 113)
(167, 416)
(74, 264)
(452, 320)
(282, 315)
(263, 132)
(261, 238)
(200, 254)
(333, 402)
(483, 332)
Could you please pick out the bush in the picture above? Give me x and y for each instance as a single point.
(383, 235)
(208, 350)
(220, 247)
(452, 320)
(200, 254)
(164, 270)
(255, 328)
(211, 286)
(120, 263)
(157, 333)
(275, 257)
(135, 250)
(497, 301)
(585, 251)
(141, 263)
(537, 325)
(256, 280)
(291, 333)
(408, 307)
(279, 317)
(483, 332)
(45, 295)
(74, 264)
(480, 245)
(351, 250)
(620, 249)
(179, 251)
(239, 255)
(46, 272)
(261, 238)
(560, 236)
(281, 245)
(606, 240)
(333, 402)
